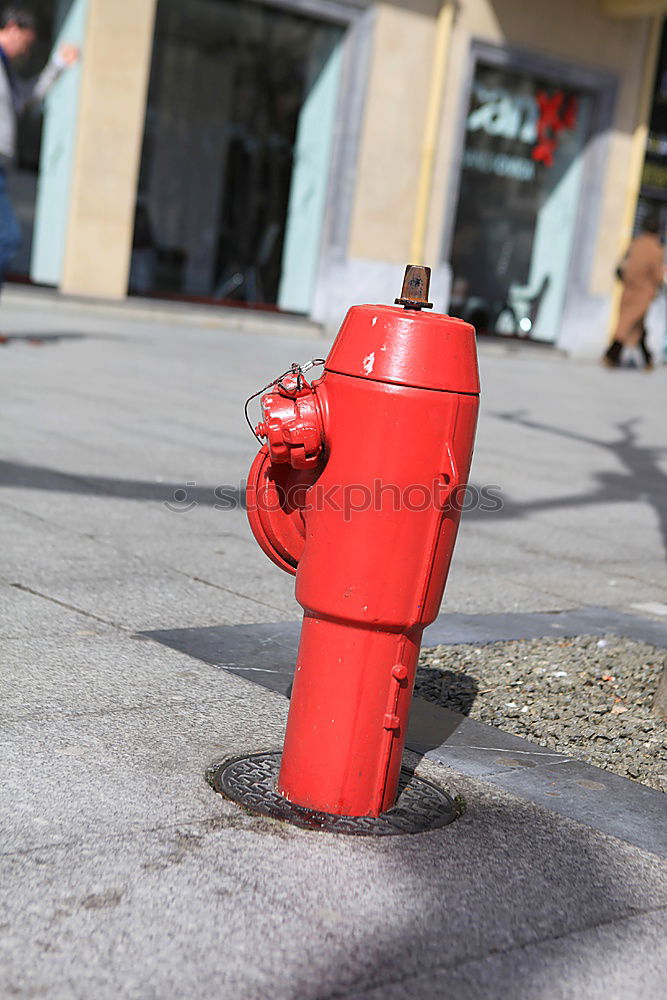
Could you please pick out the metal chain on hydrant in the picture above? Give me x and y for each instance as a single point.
(295, 370)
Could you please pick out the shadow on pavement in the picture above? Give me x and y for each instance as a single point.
(508, 901)
(178, 497)
(266, 655)
(642, 478)
(38, 339)
(455, 691)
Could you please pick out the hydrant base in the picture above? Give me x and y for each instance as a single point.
(251, 782)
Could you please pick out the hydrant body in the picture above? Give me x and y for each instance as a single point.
(359, 492)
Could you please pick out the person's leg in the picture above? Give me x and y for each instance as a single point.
(10, 231)
(648, 357)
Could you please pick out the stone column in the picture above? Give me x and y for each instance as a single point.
(115, 68)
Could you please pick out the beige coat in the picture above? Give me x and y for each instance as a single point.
(643, 269)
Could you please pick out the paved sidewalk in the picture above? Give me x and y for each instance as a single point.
(122, 873)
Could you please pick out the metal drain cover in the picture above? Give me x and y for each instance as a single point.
(251, 781)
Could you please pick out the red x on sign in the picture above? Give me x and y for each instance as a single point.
(556, 112)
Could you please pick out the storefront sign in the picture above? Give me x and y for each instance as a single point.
(533, 120)
(499, 164)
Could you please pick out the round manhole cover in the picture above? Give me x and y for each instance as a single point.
(251, 781)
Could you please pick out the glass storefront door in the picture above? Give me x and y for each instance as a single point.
(241, 104)
(520, 183)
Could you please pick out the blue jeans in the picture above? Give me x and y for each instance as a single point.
(10, 231)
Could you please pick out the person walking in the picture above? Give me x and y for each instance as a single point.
(17, 36)
(642, 272)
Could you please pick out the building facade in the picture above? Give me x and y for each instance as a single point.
(296, 154)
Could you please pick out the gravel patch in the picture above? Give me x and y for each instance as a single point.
(587, 697)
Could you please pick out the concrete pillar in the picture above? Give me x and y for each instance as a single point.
(391, 152)
(115, 67)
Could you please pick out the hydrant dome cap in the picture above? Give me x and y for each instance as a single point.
(406, 347)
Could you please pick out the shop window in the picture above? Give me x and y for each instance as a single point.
(234, 88)
(519, 191)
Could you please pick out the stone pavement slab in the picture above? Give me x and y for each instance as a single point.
(596, 964)
(576, 451)
(228, 905)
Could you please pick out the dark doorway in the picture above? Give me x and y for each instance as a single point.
(228, 82)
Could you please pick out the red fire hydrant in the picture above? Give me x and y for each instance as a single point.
(358, 493)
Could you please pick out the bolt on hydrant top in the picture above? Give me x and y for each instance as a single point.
(414, 293)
